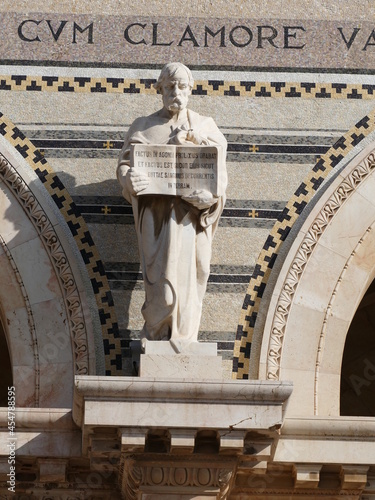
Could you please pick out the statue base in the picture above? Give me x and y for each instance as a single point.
(176, 360)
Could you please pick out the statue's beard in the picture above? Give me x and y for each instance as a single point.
(176, 105)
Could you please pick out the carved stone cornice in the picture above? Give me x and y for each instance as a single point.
(179, 436)
(143, 403)
(171, 475)
(130, 479)
(341, 194)
(58, 258)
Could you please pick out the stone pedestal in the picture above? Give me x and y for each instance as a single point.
(175, 360)
(178, 439)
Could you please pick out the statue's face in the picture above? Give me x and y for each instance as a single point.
(176, 91)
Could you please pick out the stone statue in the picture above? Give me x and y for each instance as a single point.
(174, 232)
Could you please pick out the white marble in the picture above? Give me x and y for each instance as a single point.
(55, 344)
(56, 385)
(12, 296)
(15, 227)
(36, 269)
(174, 233)
(25, 377)
(40, 432)
(306, 322)
(324, 267)
(141, 402)
(306, 476)
(181, 366)
(22, 341)
(367, 190)
(180, 346)
(305, 441)
(326, 394)
(352, 286)
(345, 231)
(178, 359)
(302, 404)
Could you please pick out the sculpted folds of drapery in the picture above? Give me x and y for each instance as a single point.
(174, 233)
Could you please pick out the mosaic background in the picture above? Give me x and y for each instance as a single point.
(286, 119)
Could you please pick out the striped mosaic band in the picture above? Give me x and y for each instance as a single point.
(242, 147)
(82, 237)
(280, 231)
(306, 90)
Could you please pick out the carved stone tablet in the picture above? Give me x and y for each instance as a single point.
(178, 170)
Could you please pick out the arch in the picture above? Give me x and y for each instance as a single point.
(43, 297)
(322, 280)
(346, 147)
(75, 228)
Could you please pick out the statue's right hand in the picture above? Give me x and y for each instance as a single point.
(135, 181)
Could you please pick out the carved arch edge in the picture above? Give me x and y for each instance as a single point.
(59, 260)
(341, 194)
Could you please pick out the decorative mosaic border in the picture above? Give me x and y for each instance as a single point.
(306, 248)
(305, 90)
(60, 263)
(82, 237)
(280, 231)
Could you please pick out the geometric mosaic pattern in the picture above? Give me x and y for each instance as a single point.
(253, 89)
(279, 233)
(306, 90)
(242, 147)
(81, 234)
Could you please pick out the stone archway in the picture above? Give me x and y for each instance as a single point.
(46, 318)
(322, 280)
(358, 362)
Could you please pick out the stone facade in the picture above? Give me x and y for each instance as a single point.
(286, 410)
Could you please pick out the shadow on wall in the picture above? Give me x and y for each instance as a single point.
(56, 435)
(109, 218)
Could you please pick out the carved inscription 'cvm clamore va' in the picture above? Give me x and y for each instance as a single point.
(259, 36)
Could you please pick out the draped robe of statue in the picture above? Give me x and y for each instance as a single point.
(174, 237)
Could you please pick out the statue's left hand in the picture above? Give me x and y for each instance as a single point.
(183, 136)
(194, 137)
(201, 199)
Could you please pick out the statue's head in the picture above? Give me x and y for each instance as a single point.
(175, 84)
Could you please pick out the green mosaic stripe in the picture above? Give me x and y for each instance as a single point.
(81, 234)
(279, 233)
(305, 90)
